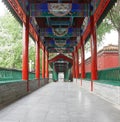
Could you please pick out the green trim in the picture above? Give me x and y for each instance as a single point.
(108, 76)
(114, 83)
(13, 75)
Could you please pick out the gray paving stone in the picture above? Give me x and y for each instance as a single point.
(60, 102)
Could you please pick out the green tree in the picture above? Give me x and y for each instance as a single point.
(32, 53)
(10, 42)
(114, 19)
(102, 29)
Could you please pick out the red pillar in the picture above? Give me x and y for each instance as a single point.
(77, 63)
(25, 64)
(43, 63)
(47, 66)
(82, 60)
(93, 51)
(73, 65)
(75, 71)
(37, 65)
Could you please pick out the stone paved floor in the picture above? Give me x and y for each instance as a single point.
(60, 102)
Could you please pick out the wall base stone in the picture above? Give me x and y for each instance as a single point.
(10, 92)
(109, 92)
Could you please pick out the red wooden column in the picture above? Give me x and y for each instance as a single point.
(73, 65)
(43, 63)
(37, 65)
(82, 60)
(46, 64)
(25, 64)
(73, 70)
(77, 63)
(93, 51)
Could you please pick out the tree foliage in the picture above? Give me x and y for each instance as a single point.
(10, 40)
(114, 19)
(11, 43)
(102, 29)
(111, 22)
(114, 16)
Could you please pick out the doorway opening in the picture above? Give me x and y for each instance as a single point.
(61, 76)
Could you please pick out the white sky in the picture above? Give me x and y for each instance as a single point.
(2, 8)
(111, 38)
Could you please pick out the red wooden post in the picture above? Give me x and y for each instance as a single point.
(93, 51)
(82, 60)
(37, 65)
(47, 66)
(73, 70)
(77, 63)
(25, 64)
(76, 69)
(43, 63)
(74, 65)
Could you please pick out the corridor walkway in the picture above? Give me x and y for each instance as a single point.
(60, 102)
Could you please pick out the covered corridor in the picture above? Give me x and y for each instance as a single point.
(60, 30)
(60, 102)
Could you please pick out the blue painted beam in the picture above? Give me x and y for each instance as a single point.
(41, 10)
(62, 23)
(53, 36)
(77, 10)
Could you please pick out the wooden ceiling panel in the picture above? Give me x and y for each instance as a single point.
(42, 22)
(60, 18)
(78, 22)
(62, 1)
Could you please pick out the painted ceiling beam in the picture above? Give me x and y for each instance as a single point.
(45, 14)
(53, 36)
(77, 10)
(55, 50)
(60, 1)
(60, 23)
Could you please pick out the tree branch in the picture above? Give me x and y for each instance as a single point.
(112, 20)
